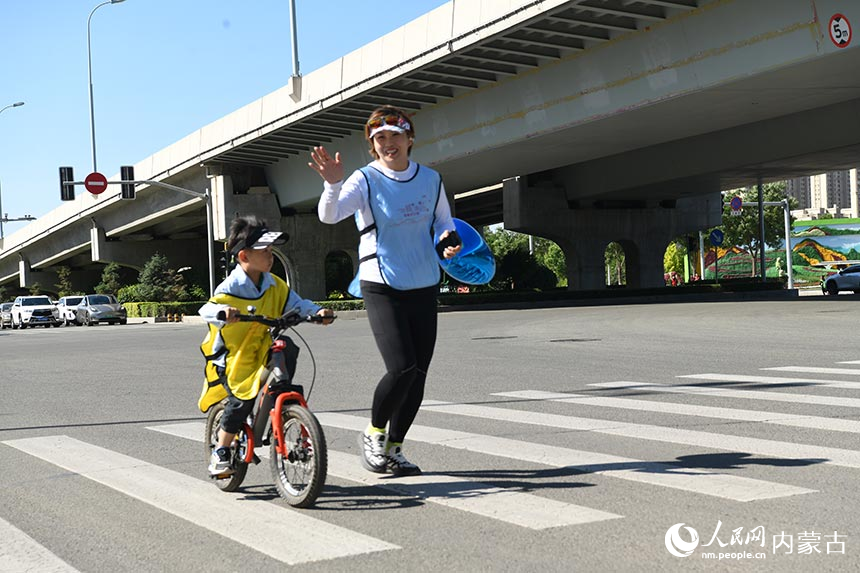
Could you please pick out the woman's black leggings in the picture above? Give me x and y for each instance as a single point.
(404, 326)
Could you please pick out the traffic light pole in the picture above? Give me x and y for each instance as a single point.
(207, 200)
(787, 221)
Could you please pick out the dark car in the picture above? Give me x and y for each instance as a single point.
(96, 308)
(6, 315)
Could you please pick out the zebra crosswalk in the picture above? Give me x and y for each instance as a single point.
(194, 500)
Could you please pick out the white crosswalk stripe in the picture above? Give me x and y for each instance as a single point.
(816, 370)
(20, 553)
(666, 475)
(720, 413)
(773, 380)
(772, 448)
(842, 401)
(514, 507)
(197, 502)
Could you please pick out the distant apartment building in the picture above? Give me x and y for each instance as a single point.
(835, 193)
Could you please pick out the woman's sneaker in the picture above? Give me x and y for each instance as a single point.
(219, 462)
(372, 446)
(399, 465)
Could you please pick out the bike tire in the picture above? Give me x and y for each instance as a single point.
(301, 480)
(210, 439)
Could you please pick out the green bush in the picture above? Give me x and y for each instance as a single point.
(153, 309)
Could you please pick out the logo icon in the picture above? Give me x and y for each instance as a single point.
(677, 546)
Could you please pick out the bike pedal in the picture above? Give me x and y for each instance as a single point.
(256, 459)
(224, 475)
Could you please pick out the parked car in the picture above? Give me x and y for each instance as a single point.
(96, 308)
(6, 315)
(67, 305)
(34, 311)
(846, 279)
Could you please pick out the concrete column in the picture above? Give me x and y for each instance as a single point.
(28, 277)
(310, 242)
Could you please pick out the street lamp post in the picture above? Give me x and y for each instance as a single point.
(90, 71)
(4, 218)
(16, 104)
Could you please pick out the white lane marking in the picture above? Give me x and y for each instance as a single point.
(849, 362)
(21, 553)
(740, 394)
(816, 370)
(773, 380)
(283, 534)
(695, 480)
(772, 448)
(720, 413)
(513, 507)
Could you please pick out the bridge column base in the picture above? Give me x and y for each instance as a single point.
(584, 234)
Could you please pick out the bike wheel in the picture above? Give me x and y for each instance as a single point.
(300, 475)
(237, 450)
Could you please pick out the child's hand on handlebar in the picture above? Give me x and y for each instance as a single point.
(232, 315)
(327, 314)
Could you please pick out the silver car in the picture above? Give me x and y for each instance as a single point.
(6, 315)
(96, 308)
(846, 279)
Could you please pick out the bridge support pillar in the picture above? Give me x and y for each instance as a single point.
(310, 242)
(28, 277)
(583, 234)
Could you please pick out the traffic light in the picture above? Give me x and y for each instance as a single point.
(126, 173)
(222, 261)
(67, 190)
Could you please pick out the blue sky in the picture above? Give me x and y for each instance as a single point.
(161, 69)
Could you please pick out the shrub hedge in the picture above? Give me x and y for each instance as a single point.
(153, 309)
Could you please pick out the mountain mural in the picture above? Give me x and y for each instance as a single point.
(813, 253)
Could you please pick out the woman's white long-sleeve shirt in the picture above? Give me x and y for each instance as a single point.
(343, 199)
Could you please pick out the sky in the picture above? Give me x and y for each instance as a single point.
(161, 69)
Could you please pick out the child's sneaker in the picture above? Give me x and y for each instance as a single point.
(399, 465)
(372, 446)
(219, 462)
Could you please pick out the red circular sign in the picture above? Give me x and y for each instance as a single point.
(840, 30)
(95, 183)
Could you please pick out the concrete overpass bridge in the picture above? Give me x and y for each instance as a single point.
(590, 121)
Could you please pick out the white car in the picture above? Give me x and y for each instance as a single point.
(66, 305)
(846, 279)
(34, 311)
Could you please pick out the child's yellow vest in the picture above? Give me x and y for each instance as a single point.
(246, 346)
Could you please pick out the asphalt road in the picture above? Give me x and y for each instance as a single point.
(697, 414)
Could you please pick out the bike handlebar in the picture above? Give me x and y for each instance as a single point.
(284, 321)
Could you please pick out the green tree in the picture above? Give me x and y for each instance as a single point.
(156, 280)
(673, 259)
(616, 263)
(64, 281)
(2, 293)
(35, 289)
(111, 281)
(743, 230)
(516, 268)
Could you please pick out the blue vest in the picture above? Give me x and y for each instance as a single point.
(403, 215)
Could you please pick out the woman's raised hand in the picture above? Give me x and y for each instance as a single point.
(330, 169)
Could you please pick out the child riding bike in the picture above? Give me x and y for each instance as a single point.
(236, 351)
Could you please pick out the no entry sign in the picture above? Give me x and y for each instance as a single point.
(840, 30)
(95, 183)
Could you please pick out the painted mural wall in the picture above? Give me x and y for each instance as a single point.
(812, 243)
